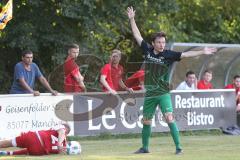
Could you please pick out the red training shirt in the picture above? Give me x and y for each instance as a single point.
(71, 69)
(202, 85)
(113, 76)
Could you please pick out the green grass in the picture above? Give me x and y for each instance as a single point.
(197, 147)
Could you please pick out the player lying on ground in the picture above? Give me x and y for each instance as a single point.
(43, 142)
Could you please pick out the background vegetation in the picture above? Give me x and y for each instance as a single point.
(98, 26)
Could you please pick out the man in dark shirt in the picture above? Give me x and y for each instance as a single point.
(157, 67)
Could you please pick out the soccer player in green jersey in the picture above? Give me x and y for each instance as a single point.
(157, 66)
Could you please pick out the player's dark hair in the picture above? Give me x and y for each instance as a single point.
(26, 52)
(72, 45)
(236, 76)
(208, 71)
(189, 73)
(158, 35)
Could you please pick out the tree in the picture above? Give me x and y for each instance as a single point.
(98, 26)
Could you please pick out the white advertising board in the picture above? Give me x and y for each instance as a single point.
(21, 113)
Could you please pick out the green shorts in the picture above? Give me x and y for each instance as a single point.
(150, 104)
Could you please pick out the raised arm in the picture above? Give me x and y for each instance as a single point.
(135, 30)
(206, 51)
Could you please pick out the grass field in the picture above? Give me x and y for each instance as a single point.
(196, 147)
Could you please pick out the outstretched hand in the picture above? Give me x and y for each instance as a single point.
(130, 12)
(208, 50)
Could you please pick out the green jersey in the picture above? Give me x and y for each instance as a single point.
(157, 69)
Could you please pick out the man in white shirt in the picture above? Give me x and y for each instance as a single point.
(190, 83)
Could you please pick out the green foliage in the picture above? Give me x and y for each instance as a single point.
(98, 26)
(208, 21)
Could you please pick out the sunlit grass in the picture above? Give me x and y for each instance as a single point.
(207, 147)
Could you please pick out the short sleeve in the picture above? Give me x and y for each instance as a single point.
(37, 71)
(175, 56)
(75, 72)
(105, 70)
(19, 71)
(145, 47)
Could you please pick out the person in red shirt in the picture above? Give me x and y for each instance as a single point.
(205, 83)
(136, 81)
(43, 142)
(111, 75)
(73, 80)
(235, 85)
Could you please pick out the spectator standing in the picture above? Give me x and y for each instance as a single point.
(73, 80)
(112, 73)
(25, 73)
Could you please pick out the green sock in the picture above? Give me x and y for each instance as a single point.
(146, 132)
(175, 134)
